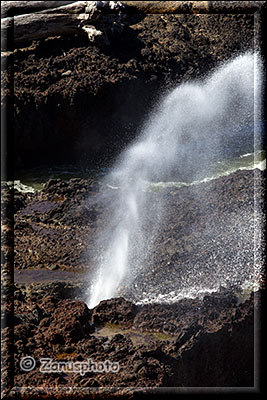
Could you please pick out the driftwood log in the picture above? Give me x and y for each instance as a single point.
(12, 8)
(73, 17)
(194, 7)
(32, 20)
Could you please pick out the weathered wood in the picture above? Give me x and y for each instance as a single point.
(72, 18)
(68, 17)
(16, 8)
(193, 7)
(33, 26)
(12, 8)
(76, 7)
(44, 23)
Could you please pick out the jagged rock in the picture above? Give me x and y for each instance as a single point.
(201, 356)
(115, 311)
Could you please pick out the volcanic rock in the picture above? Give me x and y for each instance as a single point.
(67, 121)
(194, 354)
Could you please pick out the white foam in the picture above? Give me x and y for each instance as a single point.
(21, 187)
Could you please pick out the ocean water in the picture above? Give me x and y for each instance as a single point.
(34, 180)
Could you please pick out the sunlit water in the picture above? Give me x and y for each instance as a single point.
(199, 131)
(34, 180)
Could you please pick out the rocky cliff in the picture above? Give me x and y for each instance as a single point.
(73, 99)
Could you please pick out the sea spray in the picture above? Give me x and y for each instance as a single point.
(210, 119)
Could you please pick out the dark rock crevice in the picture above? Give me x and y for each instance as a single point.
(73, 100)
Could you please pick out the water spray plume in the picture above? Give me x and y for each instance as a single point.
(197, 122)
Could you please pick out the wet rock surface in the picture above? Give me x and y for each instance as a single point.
(209, 224)
(190, 343)
(53, 226)
(205, 236)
